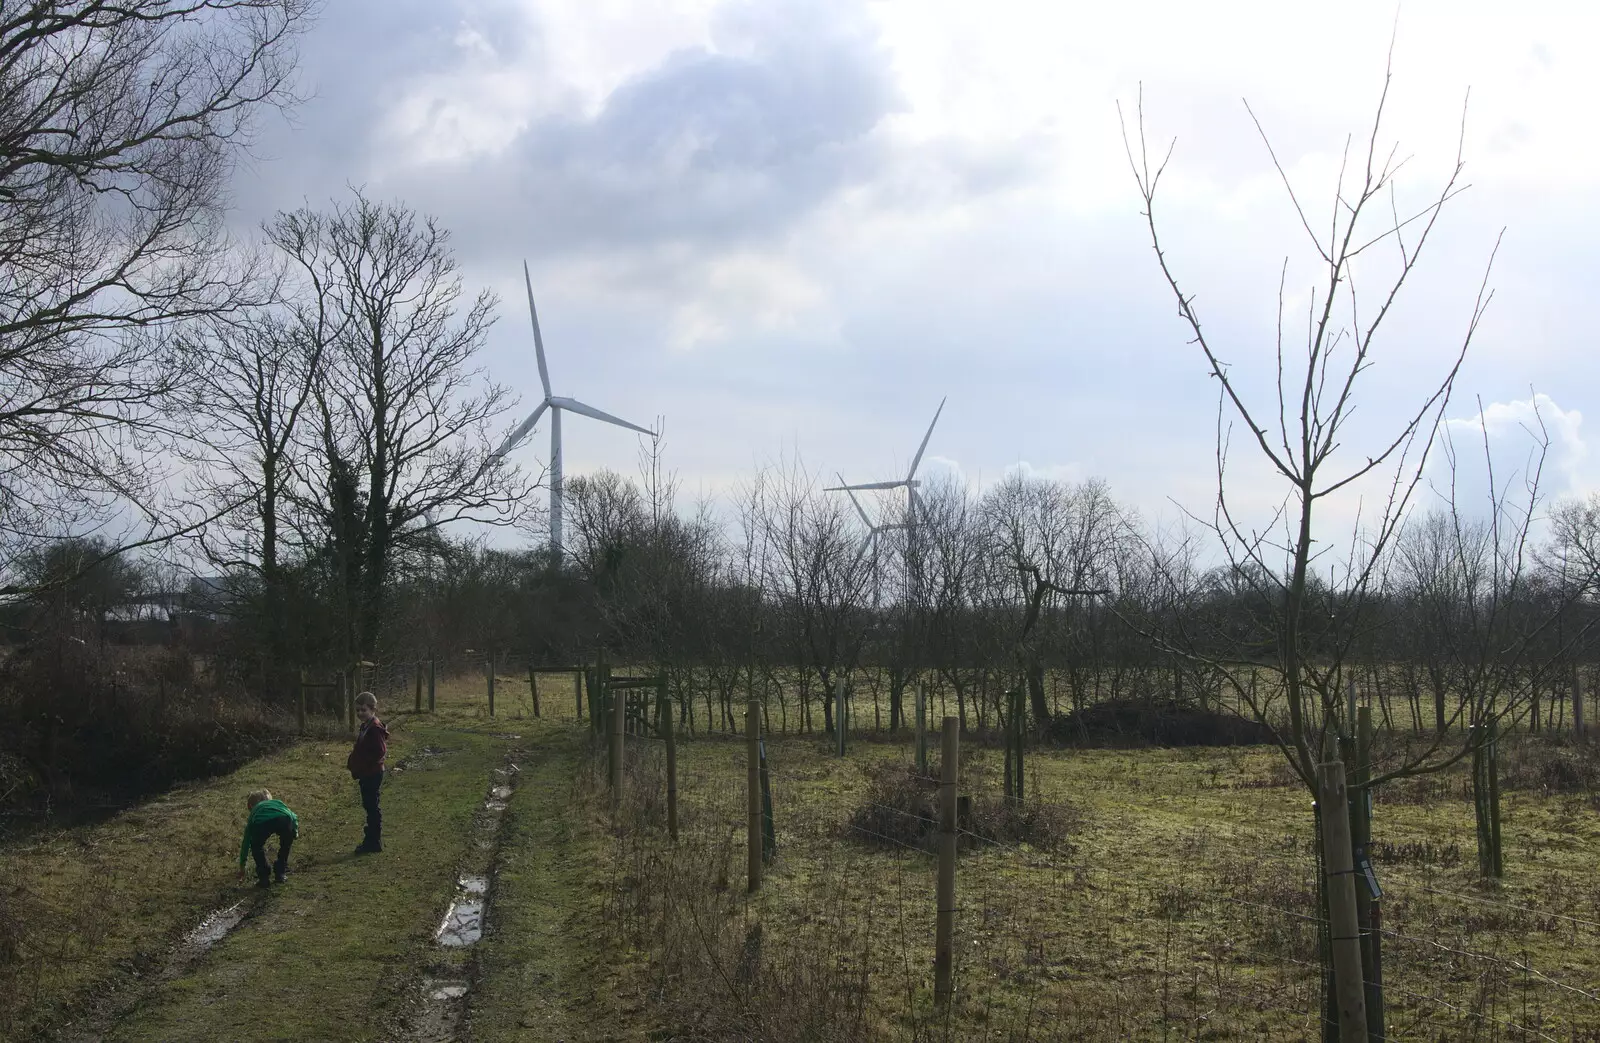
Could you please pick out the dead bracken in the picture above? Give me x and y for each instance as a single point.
(901, 807)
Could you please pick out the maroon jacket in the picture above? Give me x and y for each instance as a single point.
(372, 744)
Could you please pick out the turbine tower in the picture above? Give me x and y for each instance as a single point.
(555, 404)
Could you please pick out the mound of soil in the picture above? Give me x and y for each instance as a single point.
(1144, 722)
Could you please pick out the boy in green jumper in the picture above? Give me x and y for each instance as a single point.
(267, 818)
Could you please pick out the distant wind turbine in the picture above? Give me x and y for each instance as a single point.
(872, 540)
(555, 404)
(909, 482)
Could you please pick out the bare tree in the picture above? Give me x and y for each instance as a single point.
(253, 378)
(401, 418)
(1306, 436)
(119, 124)
(817, 580)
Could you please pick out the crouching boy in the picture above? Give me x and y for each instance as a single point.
(268, 818)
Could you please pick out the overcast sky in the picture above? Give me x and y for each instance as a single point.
(796, 226)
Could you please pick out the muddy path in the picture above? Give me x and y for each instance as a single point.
(443, 986)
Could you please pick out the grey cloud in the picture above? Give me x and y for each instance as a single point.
(709, 147)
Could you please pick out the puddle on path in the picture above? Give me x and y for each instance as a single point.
(445, 992)
(444, 1003)
(425, 754)
(214, 927)
(463, 923)
(443, 989)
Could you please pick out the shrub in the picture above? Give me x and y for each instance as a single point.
(902, 807)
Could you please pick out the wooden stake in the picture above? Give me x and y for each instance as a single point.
(944, 936)
(430, 680)
(533, 686)
(922, 729)
(1019, 716)
(1344, 931)
(416, 668)
(1497, 860)
(1366, 905)
(671, 736)
(752, 743)
(577, 691)
(618, 708)
(491, 683)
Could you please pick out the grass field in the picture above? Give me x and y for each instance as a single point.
(1180, 904)
(1183, 907)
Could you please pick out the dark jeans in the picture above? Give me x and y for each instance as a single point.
(281, 827)
(369, 800)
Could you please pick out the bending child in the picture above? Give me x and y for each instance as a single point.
(366, 767)
(268, 818)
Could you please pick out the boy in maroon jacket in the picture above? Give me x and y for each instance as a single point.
(366, 767)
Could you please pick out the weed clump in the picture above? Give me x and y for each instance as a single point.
(1550, 766)
(901, 808)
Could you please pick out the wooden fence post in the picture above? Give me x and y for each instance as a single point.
(491, 682)
(671, 736)
(416, 668)
(922, 728)
(752, 743)
(300, 703)
(619, 707)
(1494, 799)
(944, 937)
(1005, 738)
(577, 691)
(431, 676)
(533, 686)
(1344, 930)
(1366, 902)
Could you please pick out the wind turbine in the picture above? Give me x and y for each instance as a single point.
(871, 540)
(909, 482)
(555, 404)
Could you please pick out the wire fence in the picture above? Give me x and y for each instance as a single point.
(1126, 912)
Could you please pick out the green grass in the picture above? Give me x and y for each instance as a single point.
(324, 957)
(542, 975)
(1181, 907)
(1177, 911)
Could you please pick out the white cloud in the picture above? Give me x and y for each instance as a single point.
(809, 222)
(1505, 439)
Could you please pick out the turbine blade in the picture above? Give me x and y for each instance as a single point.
(864, 485)
(863, 551)
(859, 510)
(538, 341)
(921, 448)
(521, 431)
(590, 411)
